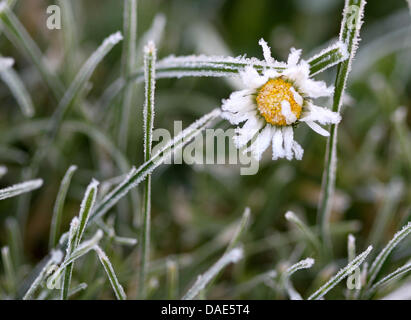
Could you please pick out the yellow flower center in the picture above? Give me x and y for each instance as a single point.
(272, 97)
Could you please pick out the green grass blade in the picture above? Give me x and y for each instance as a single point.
(233, 256)
(392, 276)
(59, 205)
(385, 252)
(55, 258)
(20, 188)
(9, 270)
(350, 36)
(16, 32)
(83, 76)
(136, 176)
(303, 264)
(149, 64)
(343, 273)
(16, 86)
(108, 267)
(172, 279)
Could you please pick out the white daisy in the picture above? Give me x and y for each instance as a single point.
(273, 103)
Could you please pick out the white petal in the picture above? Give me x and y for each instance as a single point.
(239, 101)
(289, 116)
(278, 149)
(294, 57)
(271, 74)
(251, 78)
(298, 150)
(266, 51)
(317, 128)
(320, 114)
(299, 74)
(238, 117)
(315, 89)
(297, 97)
(247, 132)
(262, 142)
(288, 135)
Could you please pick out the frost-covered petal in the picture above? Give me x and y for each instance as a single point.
(239, 101)
(320, 114)
(266, 51)
(286, 111)
(317, 128)
(238, 117)
(297, 97)
(315, 89)
(288, 136)
(247, 131)
(298, 74)
(277, 141)
(251, 78)
(262, 142)
(298, 150)
(294, 57)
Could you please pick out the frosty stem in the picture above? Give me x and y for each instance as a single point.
(350, 30)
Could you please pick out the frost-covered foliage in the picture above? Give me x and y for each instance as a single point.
(81, 104)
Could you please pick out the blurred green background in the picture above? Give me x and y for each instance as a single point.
(194, 209)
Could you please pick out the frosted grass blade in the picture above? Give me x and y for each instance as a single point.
(136, 176)
(303, 264)
(242, 227)
(20, 188)
(55, 258)
(222, 66)
(16, 32)
(118, 289)
(77, 229)
(233, 256)
(172, 279)
(350, 32)
(3, 171)
(148, 114)
(305, 230)
(392, 276)
(83, 76)
(59, 205)
(385, 252)
(343, 273)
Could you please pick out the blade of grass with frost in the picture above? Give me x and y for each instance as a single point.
(305, 230)
(18, 89)
(392, 276)
(233, 256)
(82, 286)
(351, 250)
(56, 256)
(150, 83)
(383, 255)
(16, 86)
(349, 35)
(242, 227)
(343, 273)
(9, 270)
(303, 264)
(83, 76)
(257, 280)
(172, 279)
(16, 32)
(59, 205)
(20, 188)
(118, 289)
(128, 64)
(136, 176)
(221, 66)
(77, 229)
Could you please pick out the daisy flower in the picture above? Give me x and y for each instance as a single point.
(274, 103)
